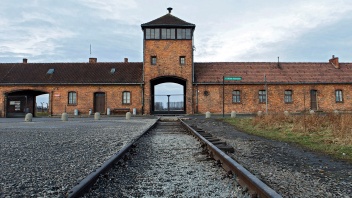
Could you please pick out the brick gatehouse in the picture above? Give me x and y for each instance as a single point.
(115, 87)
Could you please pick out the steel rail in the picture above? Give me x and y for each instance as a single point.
(84, 185)
(246, 179)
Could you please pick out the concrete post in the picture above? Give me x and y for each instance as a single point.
(108, 111)
(233, 114)
(336, 112)
(312, 112)
(128, 115)
(97, 116)
(260, 113)
(64, 117)
(28, 117)
(75, 112)
(207, 114)
(286, 113)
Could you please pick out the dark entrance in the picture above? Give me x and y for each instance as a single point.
(168, 96)
(99, 102)
(19, 103)
(313, 100)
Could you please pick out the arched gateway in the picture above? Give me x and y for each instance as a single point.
(167, 100)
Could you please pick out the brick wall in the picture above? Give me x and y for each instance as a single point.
(85, 97)
(250, 99)
(168, 53)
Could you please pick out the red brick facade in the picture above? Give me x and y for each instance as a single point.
(168, 53)
(249, 98)
(320, 86)
(58, 99)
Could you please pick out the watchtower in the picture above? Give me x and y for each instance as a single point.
(167, 57)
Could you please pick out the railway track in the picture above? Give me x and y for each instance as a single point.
(168, 162)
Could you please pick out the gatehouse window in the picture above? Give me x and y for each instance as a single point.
(236, 96)
(72, 98)
(126, 97)
(288, 96)
(184, 33)
(153, 60)
(338, 95)
(262, 96)
(168, 33)
(182, 60)
(152, 33)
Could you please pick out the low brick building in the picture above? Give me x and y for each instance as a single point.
(118, 87)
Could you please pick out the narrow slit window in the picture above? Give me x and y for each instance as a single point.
(153, 60)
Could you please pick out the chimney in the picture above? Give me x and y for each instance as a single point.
(169, 9)
(92, 60)
(126, 60)
(25, 61)
(335, 62)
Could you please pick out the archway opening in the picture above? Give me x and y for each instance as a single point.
(42, 105)
(168, 96)
(21, 102)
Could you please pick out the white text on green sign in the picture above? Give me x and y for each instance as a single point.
(232, 78)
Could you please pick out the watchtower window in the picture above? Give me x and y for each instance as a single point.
(153, 60)
(152, 33)
(168, 33)
(182, 60)
(184, 34)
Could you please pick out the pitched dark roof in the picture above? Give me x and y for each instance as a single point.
(168, 20)
(71, 73)
(285, 73)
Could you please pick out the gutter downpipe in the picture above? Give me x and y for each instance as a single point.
(196, 99)
(143, 80)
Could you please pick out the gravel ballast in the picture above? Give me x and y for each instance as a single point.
(288, 169)
(47, 157)
(167, 164)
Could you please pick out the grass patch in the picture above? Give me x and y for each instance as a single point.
(42, 114)
(329, 134)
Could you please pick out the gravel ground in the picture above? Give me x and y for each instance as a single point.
(288, 169)
(166, 163)
(47, 157)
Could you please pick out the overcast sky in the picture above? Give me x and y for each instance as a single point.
(226, 30)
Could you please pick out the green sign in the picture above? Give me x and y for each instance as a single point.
(232, 78)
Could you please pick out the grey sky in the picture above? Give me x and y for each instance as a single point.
(226, 30)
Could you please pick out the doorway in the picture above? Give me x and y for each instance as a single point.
(313, 100)
(99, 102)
